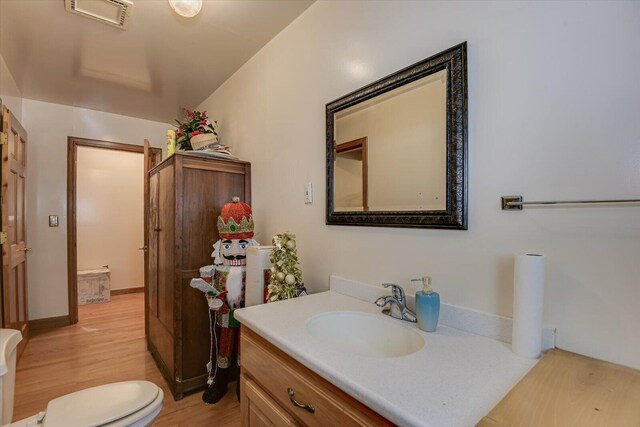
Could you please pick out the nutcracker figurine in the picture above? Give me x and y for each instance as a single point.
(226, 292)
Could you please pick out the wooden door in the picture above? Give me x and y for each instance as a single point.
(14, 247)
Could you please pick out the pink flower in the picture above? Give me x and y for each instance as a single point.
(203, 122)
(196, 132)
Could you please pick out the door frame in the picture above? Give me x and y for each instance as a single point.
(359, 144)
(72, 231)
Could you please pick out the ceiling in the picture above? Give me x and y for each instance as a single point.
(160, 63)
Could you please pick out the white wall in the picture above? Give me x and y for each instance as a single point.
(110, 214)
(348, 192)
(48, 126)
(553, 114)
(9, 92)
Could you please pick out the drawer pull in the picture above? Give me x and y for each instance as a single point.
(308, 407)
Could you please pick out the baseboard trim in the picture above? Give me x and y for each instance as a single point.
(49, 322)
(115, 292)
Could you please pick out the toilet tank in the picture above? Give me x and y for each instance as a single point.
(9, 339)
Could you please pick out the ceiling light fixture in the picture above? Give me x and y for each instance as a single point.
(186, 8)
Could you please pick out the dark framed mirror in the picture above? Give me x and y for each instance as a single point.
(397, 148)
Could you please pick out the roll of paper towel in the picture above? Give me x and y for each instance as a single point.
(528, 298)
(258, 269)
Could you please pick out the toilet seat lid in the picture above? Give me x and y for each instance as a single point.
(97, 406)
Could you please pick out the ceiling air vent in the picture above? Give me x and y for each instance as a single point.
(111, 12)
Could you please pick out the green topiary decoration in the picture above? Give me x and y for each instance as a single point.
(286, 277)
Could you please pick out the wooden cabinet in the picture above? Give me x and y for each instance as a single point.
(186, 195)
(278, 390)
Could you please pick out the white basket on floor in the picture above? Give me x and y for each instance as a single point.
(94, 286)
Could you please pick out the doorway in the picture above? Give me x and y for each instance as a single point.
(105, 214)
(352, 175)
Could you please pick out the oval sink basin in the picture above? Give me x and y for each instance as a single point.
(364, 334)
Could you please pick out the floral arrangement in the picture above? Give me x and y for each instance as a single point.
(286, 277)
(196, 123)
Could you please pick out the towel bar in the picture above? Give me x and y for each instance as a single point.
(515, 203)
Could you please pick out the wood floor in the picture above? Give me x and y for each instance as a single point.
(106, 345)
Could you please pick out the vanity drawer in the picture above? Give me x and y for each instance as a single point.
(278, 373)
(258, 409)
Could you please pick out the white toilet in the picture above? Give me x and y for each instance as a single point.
(128, 403)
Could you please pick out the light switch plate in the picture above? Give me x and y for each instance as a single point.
(53, 220)
(308, 193)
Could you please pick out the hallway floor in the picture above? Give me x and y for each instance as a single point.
(106, 345)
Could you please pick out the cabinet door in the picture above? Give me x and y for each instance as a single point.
(166, 246)
(203, 194)
(258, 409)
(160, 338)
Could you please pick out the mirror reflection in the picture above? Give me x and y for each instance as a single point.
(390, 151)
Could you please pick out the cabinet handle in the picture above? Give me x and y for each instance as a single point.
(292, 397)
(157, 229)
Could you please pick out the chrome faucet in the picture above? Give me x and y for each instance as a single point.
(396, 302)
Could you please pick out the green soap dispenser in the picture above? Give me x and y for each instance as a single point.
(427, 305)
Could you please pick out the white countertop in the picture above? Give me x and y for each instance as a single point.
(454, 380)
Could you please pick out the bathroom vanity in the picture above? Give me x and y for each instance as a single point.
(356, 366)
(333, 359)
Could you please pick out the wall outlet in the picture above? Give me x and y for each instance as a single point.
(308, 193)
